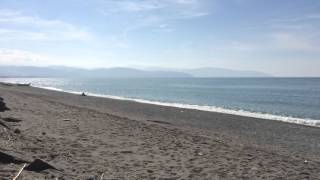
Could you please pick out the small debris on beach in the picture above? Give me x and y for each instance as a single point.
(23, 84)
(126, 152)
(11, 119)
(20, 171)
(200, 154)
(150, 171)
(17, 131)
(160, 122)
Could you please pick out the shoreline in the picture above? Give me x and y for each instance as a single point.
(131, 140)
(302, 138)
(206, 108)
(215, 109)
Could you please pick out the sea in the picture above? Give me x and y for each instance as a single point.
(294, 100)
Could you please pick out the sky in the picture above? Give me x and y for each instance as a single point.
(278, 37)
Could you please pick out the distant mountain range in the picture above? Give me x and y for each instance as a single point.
(220, 72)
(61, 71)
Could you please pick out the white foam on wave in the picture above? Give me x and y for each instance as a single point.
(308, 122)
(52, 88)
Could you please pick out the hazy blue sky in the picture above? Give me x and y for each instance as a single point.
(280, 37)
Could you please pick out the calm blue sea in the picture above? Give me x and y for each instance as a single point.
(295, 100)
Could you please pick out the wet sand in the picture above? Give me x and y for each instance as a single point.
(85, 137)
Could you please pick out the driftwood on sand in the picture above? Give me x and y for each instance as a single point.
(20, 171)
(102, 175)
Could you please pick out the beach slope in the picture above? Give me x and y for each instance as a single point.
(87, 137)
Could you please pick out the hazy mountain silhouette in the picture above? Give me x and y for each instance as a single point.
(62, 71)
(220, 72)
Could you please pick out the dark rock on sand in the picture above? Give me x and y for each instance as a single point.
(38, 165)
(3, 106)
(7, 159)
(17, 131)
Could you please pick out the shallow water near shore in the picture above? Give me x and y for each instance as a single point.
(294, 100)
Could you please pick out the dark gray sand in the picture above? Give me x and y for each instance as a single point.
(85, 137)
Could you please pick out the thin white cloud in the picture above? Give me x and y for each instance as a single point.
(296, 33)
(146, 5)
(185, 1)
(16, 26)
(306, 17)
(153, 13)
(137, 7)
(175, 9)
(18, 57)
(191, 14)
(6, 12)
(314, 16)
(235, 46)
(115, 6)
(21, 57)
(277, 41)
(243, 46)
(295, 42)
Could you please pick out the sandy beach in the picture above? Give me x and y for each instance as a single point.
(83, 137)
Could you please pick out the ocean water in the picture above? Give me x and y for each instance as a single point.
(295, 100)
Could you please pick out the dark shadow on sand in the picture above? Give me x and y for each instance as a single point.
(3, 106)
(8, 159)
